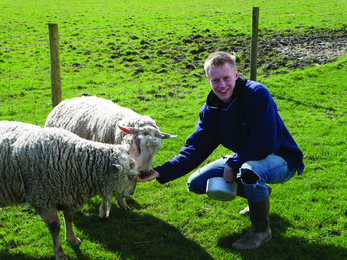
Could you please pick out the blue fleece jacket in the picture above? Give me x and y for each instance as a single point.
(249, 126)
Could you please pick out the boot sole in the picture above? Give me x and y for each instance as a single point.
(238, 247)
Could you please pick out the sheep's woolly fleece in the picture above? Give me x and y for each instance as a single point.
(97, 119)
(54, 168)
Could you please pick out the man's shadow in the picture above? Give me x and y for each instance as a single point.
(280, 247)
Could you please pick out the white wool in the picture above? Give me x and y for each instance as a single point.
(52, 167)
(97, 119)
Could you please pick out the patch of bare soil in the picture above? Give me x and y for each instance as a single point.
(299, 50)
(292, 50)
(319, 48)
(278, 51)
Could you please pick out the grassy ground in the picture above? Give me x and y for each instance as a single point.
(308, 214)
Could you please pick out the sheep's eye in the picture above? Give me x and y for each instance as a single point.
(138, 142)
(138, 145)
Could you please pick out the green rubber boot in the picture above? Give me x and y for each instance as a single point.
(260, 232)
(242, 194)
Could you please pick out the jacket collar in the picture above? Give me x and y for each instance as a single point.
(213, 102)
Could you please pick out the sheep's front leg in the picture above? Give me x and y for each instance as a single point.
(122, 204)
(52, 221)
(69, 234)
(105, 207)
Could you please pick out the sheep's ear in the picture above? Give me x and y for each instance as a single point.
(132, 163)
(128, 129)
(118, 167)
(167, 136)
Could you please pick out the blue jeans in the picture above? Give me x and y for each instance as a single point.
(273, 169)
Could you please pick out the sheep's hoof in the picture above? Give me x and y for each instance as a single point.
(104, 218)
(60, 257)
(126, 208)
(123, 205)
(75, 241)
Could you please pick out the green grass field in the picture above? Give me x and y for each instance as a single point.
(308, 214)
(132, 51)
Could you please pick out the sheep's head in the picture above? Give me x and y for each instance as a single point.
(144, 144)
(126, 168)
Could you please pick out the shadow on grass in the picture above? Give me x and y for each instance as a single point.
(135, 235)
(130, 235)
(294, 248)
(5, 256)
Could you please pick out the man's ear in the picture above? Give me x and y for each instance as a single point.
(237, 74)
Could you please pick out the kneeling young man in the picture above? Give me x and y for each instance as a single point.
(242, 116)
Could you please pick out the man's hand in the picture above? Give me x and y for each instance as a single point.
(229, 174)
(154, 175)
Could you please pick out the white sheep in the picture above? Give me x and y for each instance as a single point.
(53, 169)
(6, 127)
(103, 121)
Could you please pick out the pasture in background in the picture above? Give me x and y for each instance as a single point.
(147, 54)
(149, 57)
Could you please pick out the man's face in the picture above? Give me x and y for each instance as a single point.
(222, 80)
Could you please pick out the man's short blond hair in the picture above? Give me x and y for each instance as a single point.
(218, 59)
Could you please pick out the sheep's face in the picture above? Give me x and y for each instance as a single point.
(128, 185)
(144, 144)
(130, 189)
(143, 149)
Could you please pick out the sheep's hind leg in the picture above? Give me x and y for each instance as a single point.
(52, 221)
(69, 234)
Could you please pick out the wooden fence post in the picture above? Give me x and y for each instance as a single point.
(254, 43)
(55, 64)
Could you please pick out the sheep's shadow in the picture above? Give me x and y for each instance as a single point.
(135, 235)
(19, 256)
(281, 247)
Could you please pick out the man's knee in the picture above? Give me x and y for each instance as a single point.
(248, 176)
(196, 186)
